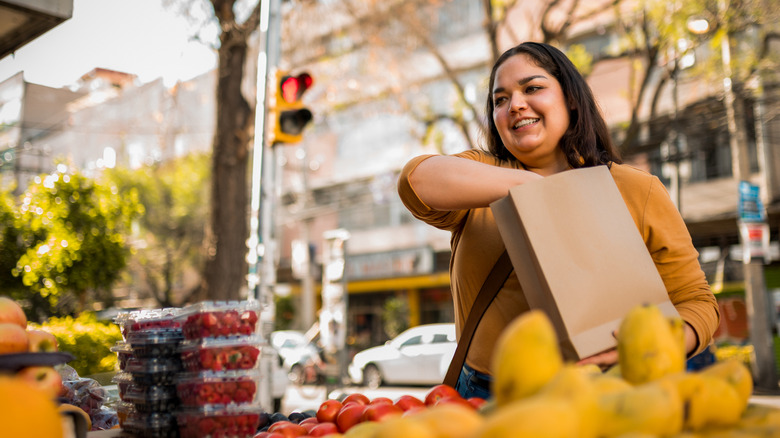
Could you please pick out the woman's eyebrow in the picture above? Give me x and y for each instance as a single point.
(521, 82)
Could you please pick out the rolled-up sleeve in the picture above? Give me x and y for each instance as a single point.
(445, 220)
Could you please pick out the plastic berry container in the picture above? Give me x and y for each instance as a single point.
(151, 425)
(152, 398)
(123, 380)
(210, 319)
(158, 371)
(231, 421)
(221, 354)
(139, 320)
(227, 387)
(123, 410)
(124, 352)
(155, 343)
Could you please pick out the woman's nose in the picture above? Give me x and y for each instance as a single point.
(517, 102)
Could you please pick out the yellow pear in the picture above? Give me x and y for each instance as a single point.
(535, 417)
(712, 403)
(572, 384)
(450, 420)
(403, 426)
(366, 429)
(648, 347)
(527, 356)
(651, 408)
(735, 373)
(757, 416)
(607, 383)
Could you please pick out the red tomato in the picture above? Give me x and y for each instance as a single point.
(323, 429)
(415, 410)
(356, 398)
(267, 434)
(350, 415)
(288, 429)
(458, 400)
(407, 402)
(328, 411)
(381, 401)
(477, 402)
(308, 426)
(380, 411)
(438, 392)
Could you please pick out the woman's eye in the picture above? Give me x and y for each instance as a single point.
(532, 88)
(499, 100)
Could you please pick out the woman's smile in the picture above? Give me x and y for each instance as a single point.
(530, 113)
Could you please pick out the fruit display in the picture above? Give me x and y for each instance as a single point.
(149, 365)
(217, 319)
(191, 371)
(221, 354)
(648, 393)
(229, 421)
(148, 319)
(443, 413)
(224, 388)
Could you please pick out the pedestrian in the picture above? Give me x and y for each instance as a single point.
(542, 119)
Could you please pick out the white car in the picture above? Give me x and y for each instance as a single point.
(295, 350)
(418, 356)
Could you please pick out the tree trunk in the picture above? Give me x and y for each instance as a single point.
(225, 241)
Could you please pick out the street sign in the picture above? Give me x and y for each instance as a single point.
(751, 209)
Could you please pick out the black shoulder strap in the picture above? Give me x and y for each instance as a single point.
(487, 293)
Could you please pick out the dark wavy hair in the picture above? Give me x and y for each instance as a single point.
(587, 141)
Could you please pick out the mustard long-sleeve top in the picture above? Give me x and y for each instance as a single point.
(476, 245)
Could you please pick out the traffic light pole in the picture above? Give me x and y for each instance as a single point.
(262, 272)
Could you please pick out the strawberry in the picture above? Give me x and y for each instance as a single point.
(241, 396)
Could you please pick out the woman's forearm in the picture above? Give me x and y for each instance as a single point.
(453, 183)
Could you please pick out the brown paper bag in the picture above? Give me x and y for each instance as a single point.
(579, 256)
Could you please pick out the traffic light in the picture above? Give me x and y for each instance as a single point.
(288, 112)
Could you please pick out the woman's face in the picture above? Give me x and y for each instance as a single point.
(530, 113)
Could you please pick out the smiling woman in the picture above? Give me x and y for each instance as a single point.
(544, 120)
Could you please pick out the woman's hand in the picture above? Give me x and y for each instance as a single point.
(604, 360)
(608, 358)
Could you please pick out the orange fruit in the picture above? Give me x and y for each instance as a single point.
(13, 339)
(11, 312)
(26, 411)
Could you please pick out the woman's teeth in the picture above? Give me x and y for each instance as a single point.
(524, 122)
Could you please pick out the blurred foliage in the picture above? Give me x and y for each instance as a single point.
(580, 57)
(395, 316)
(11, 247)
(729, 351)
(285, 312)
(86, 338)
(67, 233)
(169, 236)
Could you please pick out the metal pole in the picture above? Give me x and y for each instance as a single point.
(261, 276)
(676, 180)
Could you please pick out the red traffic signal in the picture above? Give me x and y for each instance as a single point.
(293, 87)
(289, 115)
